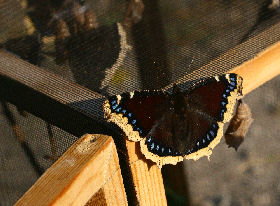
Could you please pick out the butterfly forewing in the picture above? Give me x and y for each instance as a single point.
(140, 108)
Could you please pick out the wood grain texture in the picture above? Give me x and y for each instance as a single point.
(260, 69)
(86, 167)
(147, 177)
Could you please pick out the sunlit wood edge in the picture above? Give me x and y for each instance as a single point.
(147, 177)
(88, 165)
(262, 68)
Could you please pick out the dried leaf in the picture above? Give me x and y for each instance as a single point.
(239, 125)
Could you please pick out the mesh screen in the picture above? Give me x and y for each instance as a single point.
(24, 160)
(115, 46)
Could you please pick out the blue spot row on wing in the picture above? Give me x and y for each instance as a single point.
(231, 84)
(206, 140)
(159, 149)
(116, 108)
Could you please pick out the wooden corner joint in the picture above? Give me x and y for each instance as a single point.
(87, 166)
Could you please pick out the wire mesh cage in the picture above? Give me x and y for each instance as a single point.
(85, 51)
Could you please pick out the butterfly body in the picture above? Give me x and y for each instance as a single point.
(181, 124)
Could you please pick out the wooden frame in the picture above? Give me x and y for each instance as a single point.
(265, 66)
(87, 172)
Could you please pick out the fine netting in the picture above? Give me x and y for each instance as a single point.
(110, 47)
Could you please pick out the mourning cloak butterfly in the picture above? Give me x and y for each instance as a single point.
(182, 124)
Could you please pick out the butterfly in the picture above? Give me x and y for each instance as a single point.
(176, 125)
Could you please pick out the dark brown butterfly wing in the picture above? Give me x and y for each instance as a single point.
(135, 112)
(182, 124)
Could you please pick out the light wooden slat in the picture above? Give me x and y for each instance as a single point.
(114, 189)
(86, 167)
(147, 177)
(260, 69)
